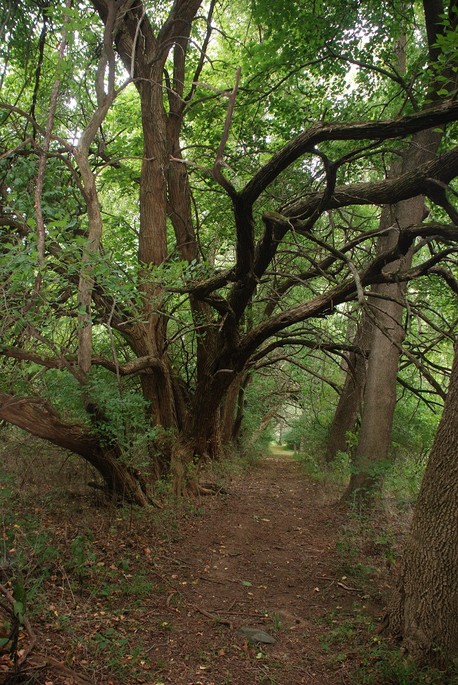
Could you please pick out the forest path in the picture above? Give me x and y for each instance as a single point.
(132, 596)
(263, 556)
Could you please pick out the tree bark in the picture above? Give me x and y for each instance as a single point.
(200, 439)
(232, 409)
(264, 424)
(228, 412)
(424, 612)
(165, 195)
(240, 412)
(349, 404)
(387, 305)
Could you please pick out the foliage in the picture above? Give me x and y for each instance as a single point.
(178, 215)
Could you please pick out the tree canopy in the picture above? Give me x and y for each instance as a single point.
(191, 193)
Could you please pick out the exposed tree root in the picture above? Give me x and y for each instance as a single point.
(211, 489)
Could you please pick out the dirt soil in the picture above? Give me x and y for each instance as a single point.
(128, 597)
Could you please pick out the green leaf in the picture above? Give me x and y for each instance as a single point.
(19, 596)
(19, 610)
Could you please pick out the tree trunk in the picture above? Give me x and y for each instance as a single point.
(240, 413)
(38, 418)
(200, 440)
(264, 424)
(349, 405)
(232, 409)
(424, 612)
(228, 412)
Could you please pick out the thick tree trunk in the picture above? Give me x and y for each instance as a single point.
(200, 440)
(38, 418)
(424, 613)
(152, 250)
(165, 194)
(369, 461)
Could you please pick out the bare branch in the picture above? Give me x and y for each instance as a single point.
(217, 174)
(447, 276)
(203, 53)
(135, 41)
(42, 157)
(418, 392)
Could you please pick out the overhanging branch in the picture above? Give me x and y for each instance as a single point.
(376, 130)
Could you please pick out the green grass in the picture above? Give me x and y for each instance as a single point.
(279, 451)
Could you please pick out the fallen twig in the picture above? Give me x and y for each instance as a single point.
(49, 661)
(214, 617)
(211, 489)
(169, 598)
(349, 589)
(211, 580)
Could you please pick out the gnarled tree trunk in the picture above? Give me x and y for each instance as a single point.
(424, 612)
(38, 418)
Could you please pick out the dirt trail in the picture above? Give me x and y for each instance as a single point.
(261, 557)
(130, 599)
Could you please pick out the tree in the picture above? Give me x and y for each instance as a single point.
(126, 321)
(382, 329)
(425, 609)
(386, 308)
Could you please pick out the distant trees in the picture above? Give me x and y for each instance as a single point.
(187, 193)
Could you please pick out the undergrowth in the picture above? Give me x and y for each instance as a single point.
(86, 565)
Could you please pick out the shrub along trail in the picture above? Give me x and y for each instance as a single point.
(139, 597)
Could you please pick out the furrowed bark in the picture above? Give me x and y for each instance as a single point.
(424, 610)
